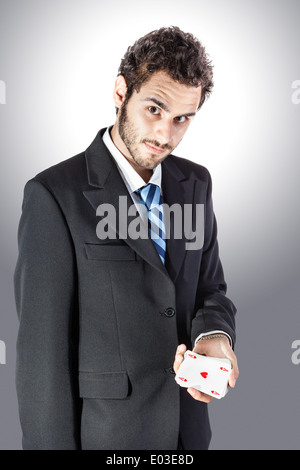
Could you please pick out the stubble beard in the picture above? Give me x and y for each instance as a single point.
(129, 136)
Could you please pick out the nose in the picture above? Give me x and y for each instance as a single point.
(164, 131)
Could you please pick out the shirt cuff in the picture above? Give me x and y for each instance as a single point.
(214, 332)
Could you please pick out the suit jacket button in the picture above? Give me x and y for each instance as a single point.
(169, 312)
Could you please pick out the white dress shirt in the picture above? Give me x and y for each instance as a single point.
(134, 181)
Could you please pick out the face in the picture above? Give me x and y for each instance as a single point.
(154, 120)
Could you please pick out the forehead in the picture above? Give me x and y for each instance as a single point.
(173, 94)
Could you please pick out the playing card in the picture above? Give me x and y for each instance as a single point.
(210, 375)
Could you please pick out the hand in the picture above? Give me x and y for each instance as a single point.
(215, 347)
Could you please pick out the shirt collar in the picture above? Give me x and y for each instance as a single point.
(132, 179)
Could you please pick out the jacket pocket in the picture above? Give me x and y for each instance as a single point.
(108, 385)
(106, 252)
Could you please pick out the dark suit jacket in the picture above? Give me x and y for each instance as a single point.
(100, 320)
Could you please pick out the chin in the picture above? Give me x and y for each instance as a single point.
(146, 163)
(152, 163)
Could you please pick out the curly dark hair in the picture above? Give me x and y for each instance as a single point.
(171, 50)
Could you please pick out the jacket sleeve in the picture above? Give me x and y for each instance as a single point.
(46, 301)
(213, 310)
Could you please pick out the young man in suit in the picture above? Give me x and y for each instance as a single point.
(106, 315)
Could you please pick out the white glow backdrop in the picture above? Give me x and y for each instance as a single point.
(59, 60)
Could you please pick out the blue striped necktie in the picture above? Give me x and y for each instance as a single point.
(151, 197)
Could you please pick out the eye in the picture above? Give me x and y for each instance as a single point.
(154, 110)
(181, 118)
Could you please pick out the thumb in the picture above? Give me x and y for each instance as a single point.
(234, 374)
(179, 357)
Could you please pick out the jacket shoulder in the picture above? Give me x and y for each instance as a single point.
(190, 169)
(65, 174)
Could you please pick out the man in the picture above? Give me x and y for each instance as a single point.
(105, 320)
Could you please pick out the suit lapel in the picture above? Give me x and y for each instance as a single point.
(105, 187)
(177, 189)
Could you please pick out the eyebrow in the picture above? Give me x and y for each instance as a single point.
(159, 103)
(164, 106)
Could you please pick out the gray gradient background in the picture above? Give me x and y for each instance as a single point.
(59, 60)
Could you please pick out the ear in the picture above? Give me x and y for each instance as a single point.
(120, 91)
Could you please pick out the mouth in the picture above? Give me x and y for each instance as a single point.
(152, 149)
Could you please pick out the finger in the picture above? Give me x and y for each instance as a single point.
(199, 396)
(179, 357)
(234, 374)
(233, 378)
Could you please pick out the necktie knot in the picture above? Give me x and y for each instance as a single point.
(151, 197)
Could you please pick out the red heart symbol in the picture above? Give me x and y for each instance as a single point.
(193, 357)
(183, 380)
(223, 368)
(215, 393)
(204, 374)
